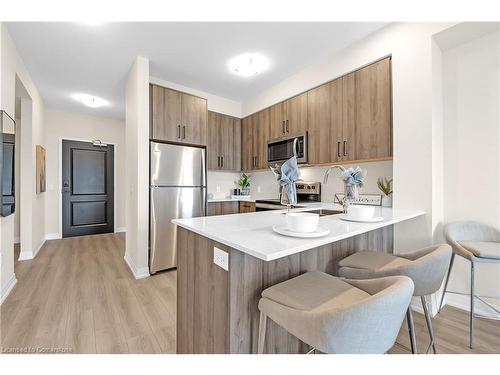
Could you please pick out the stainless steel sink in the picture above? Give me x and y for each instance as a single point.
(323, 212)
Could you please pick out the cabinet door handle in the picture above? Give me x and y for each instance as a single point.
(218, 161)
(287, 126)
(178, 132)
(222, 161)
(184, 132)
(345, 147)
(338, 149)
(283, 127)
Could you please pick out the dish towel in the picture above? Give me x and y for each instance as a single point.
(290, 174)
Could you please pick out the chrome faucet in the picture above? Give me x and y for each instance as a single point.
(345, 203)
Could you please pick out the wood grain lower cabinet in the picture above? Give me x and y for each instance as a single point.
(222, 208)
(246, 207)
(177, 117)
(229, 208)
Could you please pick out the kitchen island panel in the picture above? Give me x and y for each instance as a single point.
(218, 309)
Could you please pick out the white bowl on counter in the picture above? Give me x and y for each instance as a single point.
(361, 212)
(302, 222)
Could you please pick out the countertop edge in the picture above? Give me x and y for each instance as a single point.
(298, 249)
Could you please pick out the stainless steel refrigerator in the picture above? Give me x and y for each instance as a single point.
(178, 189)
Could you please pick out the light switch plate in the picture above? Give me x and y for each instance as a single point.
(221, 258)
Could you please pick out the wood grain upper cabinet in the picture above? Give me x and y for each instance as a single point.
(288, 117)
(347, 145)
(295, 114)
(213, 131)
(324, 107)
(194, 120)
(260, 138)
(277, 127)
(224, 142)
(373, 111)
(177, 117)
(247, 159)
(165, 113)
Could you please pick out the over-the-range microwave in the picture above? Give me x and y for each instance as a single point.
(281, 149)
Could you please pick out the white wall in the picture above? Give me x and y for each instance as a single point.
(471, 85)
(137, 171)
(410, 45)
(11, 67)
(263, 183)
(215, 103)
(65, 125)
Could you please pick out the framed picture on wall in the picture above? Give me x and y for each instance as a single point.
(41, 180)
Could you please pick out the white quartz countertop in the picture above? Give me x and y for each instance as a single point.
(252, 233)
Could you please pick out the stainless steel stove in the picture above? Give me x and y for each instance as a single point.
(306, 192)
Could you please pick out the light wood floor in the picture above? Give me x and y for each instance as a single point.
(79, 294)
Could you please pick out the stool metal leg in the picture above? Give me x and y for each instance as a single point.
(471, 323)
(428, 320)
(411, 331)
(262, 333)
(446, 282)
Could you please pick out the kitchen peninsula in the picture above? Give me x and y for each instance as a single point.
(217, 303)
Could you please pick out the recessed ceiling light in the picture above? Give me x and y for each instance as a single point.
(248, 64)
(90, 101)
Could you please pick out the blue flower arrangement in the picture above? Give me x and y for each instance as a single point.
(353, 176)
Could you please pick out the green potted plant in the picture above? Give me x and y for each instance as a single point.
(385, 186)
(244, 184)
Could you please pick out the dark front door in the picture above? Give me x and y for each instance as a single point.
(87, 188)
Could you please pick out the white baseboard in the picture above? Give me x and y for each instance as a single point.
(27, 255)
(139, 273)
(463, 303)
(120, 230)
(8, 288)
(52, 236)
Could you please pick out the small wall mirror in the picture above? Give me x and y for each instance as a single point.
(7, 166)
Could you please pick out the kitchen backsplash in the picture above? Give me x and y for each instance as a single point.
(264, 185)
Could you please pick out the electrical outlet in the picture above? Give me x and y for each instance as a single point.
(221, 258)
(218, 189)
(258, 189)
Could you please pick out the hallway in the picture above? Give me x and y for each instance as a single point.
(78, 295)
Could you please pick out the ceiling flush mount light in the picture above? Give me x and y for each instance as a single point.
(249, 64)
(90, 101)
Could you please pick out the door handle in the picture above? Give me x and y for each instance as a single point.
(287, 126)
(345, 147)
(65, 188)
(184, 132)
(178, 132)
(338, 149)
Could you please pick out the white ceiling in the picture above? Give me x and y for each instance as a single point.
(68, 58)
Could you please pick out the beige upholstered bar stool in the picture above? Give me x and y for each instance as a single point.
(337, 316)
(426, 267)
(475, 242)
